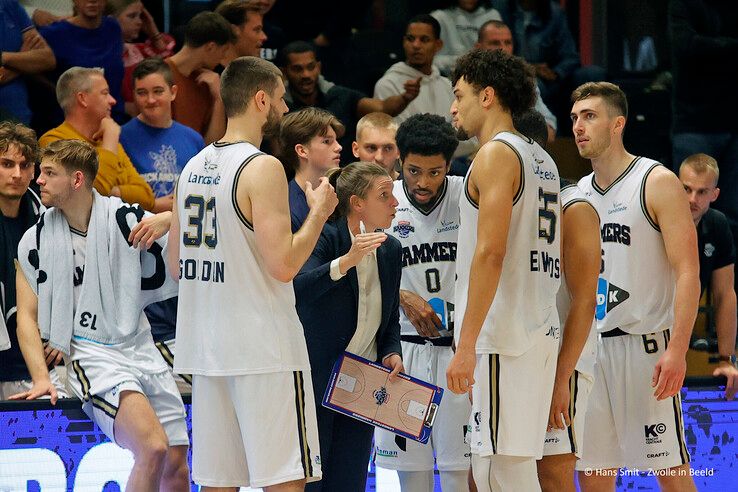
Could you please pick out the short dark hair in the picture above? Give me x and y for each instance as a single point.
(613, 95)
(426, 134)
(295, 48)
(74, 155)
(426, 19)
(153, 65)
(243, 78)
(208, 27)
(237, 11)
(300, 127)
(21, 136)
(533, 125)
(512, 79)
(494, 22)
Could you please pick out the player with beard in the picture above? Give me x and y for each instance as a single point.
(238, 333)
(427, 226)
(508, 244)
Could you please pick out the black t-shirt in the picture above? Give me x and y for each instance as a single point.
(342, 102)
(715, 244)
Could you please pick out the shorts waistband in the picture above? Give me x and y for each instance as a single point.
(438, 342)
(615, 332)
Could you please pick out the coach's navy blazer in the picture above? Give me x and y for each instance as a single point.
(328, 310)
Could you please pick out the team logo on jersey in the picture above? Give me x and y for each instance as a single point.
(449, 225)
(653, 432)
(617, 207)
(403, 228)
(709, 250)
(608, 297)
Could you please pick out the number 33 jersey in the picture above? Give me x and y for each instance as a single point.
(524, 306)
(428, 241)
(233, 317)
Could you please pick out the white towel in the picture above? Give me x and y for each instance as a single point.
(116, 285)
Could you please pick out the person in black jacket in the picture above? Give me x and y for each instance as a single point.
(348, 299)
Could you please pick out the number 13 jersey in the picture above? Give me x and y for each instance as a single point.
(233, 317)
(524, 306)
(428, 241)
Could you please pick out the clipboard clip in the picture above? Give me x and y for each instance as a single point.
(430, 416)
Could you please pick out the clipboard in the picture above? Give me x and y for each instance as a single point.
(359, 388)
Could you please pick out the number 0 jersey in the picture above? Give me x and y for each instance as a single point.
(636, 288)
(569, 196)
(233, 316)
(429, 250)
(524, 306)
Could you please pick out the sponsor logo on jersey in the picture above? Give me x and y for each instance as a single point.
(386, 453)
(617, 207)
(544, 174)
(427, 253)
(653, 432)
(477, 422)
(202, 179)
(709, 250)
(553, 332)
(447, 226)
(403, 228)
(662, 454)
(552, 440)
(609, 296)
(615, 233)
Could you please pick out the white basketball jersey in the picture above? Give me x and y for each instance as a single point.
(429, 250)
(569, 196)
(636, 288)
(524, 306)
(233, 316)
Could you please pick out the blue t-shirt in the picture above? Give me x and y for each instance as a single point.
(102, 47)
(160, 154)
(299, 208)
(13, 22)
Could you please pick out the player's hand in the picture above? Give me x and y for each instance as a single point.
(421, 314)
(149, 230)
(460, 371)
(211, 80)
(393, 362)
(38, 390)
(731, 373)
(558, 415)
(412, 89)
(322, 199)
(53, 356)
(668, 375)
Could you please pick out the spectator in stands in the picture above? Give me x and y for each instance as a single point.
(85, 98)
(459, 27)
(22, 51)
(19, 210)
(704, 40)
(699, 174)
(90, 40)
(207, 38)
(158, 146)
(45, 12)
(375, 142)
(542, 37)
(134, 19)
(306, 87)
(276, 38)
(495, 35)
(248, 28)
(309, 146)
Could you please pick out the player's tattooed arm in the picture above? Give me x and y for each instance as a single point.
(580, 246)
(30, 343)
(668, 207)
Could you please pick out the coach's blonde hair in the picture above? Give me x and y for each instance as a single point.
(354, 179)
(702, 163)
(74, 155)
(375, 120)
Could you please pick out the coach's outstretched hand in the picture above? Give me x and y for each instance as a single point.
(731, 373)
(668, 375)
(460, 372)
(38, 390)
(323, 199)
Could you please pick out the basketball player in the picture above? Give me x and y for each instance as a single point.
(648, 294)
(237, 331)
(508, 272)
(427, 224)
(84, 288)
